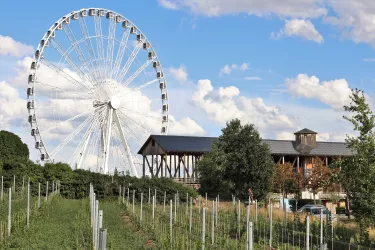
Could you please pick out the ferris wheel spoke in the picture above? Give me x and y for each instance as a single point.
(125, 144)
(86, 36)
(68, 120)
(128, 63)
(145, 85)
(140, 114)
(120, 53)
(128, 118)
(100, 44)
(82, 152)
(78, 50)
(137, 72)
(70, 61)
(70, 137)
(59, 106)
(111, 35)
(64, 74)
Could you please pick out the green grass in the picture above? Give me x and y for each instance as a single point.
(121, 232)
(63, 224)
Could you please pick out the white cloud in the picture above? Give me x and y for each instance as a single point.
(301, 28)
(253, 78)
(10, 47)
(228, 69)
(355, 18)
(12, 108)
(186, 126)
(179, 74)
(225, 104)
(334, 93)
(168, 4)
(283, 8)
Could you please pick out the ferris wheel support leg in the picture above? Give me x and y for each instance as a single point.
(108, 139)
(84, 150)
(126, 146)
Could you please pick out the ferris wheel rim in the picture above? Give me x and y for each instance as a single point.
(38, 60)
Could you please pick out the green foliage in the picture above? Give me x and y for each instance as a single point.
(11, 147)
(358, 172)
(239, 161)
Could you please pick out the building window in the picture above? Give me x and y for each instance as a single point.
(153, 142)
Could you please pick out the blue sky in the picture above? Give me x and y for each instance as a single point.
(234, 58)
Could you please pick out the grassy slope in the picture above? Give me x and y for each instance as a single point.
(59, 226)
(121, 232)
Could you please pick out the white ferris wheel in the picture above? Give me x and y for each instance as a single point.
(96, 90)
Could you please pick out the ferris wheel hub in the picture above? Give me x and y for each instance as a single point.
(115, 102)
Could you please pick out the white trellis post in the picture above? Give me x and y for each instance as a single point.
(204, 227)
(38, 194)
(10, 212)
(165, 194)
(28, 203)
(2, 188)
(270, 243)
(191, 214)
(141, 208)
(213, 222)
(47, 191)
(171, 220)
(307, 233)
(133, 199)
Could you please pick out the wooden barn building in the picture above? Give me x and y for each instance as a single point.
(176, 156)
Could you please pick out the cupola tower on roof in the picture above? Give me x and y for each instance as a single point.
(305, 140)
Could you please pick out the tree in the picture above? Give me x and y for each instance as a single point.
(357, 174)
(286, 180)
(239, 161)
(11, 147)
(320, 177)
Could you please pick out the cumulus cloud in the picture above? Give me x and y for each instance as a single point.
(179, 74)
(10, 47)
(12, 108)
(300, 28)
(334, 93)
(283, 8)
(185, 126)
(224, 104)
(168, 4)
(227, 69)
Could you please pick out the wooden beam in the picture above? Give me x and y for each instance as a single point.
(143, 166)
(149, 167)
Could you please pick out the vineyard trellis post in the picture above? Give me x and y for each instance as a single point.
(123, 195)
(206, 200)
(270, 216)
(175, 208)
(153, 210)
(171, 220)
(141, 208)
(165, 194)
(250, 235)
(203, 227)
(187, 204)
(28, 203)
(96, 224)
(38, 195)
(133, 199)
(103, 239)
(191, 214)
(247, 225)
(53, 186)
(2, 188)
(128, 198)
(10, 212)
(239, 218)
(216, 210)
(307, 232)
(213, 222)
(99, 228)
(47, 192)
(119, 194)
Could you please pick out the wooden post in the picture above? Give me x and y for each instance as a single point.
(28, 204)
(10, 212)
(204, 228)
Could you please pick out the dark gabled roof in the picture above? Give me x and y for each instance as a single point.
(305, 131)
(283, 147)
(175, 143)
(197, 144)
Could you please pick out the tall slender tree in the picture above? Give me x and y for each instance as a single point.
(358, 171)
